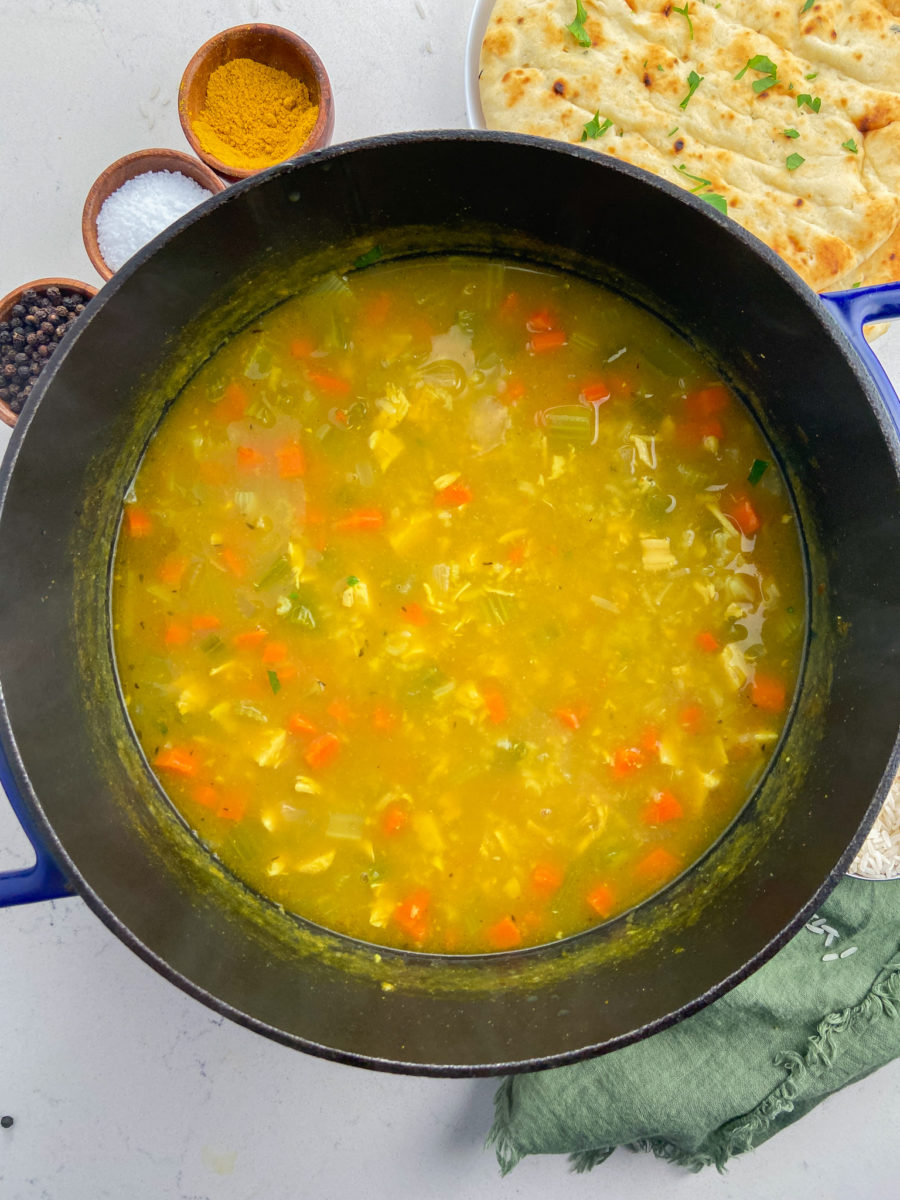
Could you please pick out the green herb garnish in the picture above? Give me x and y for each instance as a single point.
(759, 468)
(793, 161)
(577, 29)
(694, 81)
(672, 132)
(766, 68)
(274, 681)
(683, 12)
(811, 102)
(594, 128)
(792, 133)
(850, 145)
(698, 179)
(812, 75)
(352, 581)
(807, 6)
(717, 201)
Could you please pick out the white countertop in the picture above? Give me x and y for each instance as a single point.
(121, 1086)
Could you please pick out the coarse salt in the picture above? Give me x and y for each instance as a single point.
(140, 209)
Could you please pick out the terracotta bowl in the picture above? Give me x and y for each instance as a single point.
(268, 44)
(7, 416)
(127, 168)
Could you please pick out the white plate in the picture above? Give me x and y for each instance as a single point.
(477, 26)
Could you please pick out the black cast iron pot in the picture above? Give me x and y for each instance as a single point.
(73, 768)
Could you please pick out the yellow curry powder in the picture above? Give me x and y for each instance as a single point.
(254, 115)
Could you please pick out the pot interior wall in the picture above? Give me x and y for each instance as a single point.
(75, 452)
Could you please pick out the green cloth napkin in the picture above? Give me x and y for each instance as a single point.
(821, 1014)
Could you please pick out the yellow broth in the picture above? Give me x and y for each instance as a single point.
(457, 605)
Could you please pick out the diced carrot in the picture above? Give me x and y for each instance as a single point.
(302, 347)
(505, 935)
(553, 339)
(286, 672)
(339, 416)
(233, 562)
(233, 404)
(176, 759)
(650, 739)
(601, 899)
(658, 866)
(412, 914)
(571, 717)
(232, 808)
(362, 519)
(454, 495)
(172, 570)
(395, 818)
(249, 459)
(540, 322)
(768, 693)
(707, 401)
(335, 385)
(250, 638)
(205, 621)
(706, 641)
(274, 654)
(139, 523)
(510, 304)
(414, 614)
(495, 705)
(291, 460)
(692, 433)
(517, 553)
(744, 515)
(341, 711)
(383, 720)
(206, 795)
(176, 634)
(692, 718)
(546, 878)
(595, 391)
(297, 723)
(627, 760)
(515, 390)
(323, 750)
(663, 807)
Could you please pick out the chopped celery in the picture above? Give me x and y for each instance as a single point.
(278, 571)
(569, 423)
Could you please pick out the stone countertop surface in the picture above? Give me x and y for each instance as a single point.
(120, 1085)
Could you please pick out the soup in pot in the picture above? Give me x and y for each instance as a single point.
(458, 605)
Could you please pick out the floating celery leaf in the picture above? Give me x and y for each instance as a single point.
(759, 468)
(370, 256)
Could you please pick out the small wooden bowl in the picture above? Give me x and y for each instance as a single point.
(123, 169)
(7, 416)
(274, 47)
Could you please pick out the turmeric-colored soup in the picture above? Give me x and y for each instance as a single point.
(458, 605)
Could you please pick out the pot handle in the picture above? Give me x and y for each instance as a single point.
(860, 306)
(43, 881)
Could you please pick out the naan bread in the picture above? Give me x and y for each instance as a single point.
(835, 218)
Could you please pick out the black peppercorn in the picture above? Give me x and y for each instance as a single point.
(19, 310)
(53, 294)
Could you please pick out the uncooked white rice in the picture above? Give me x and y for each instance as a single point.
(879, 855)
